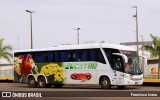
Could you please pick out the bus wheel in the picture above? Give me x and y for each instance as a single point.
(31, 82)
(41, 82)
(121, 87)
(105, 83)
(58, 85)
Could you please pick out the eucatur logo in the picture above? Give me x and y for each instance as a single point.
(6, 94)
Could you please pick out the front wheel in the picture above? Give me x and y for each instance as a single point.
(42, 82)
(105, 83)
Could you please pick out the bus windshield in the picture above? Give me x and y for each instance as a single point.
(133, 66)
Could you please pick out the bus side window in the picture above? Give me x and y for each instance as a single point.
(64, 55)
(53, 56)
(46, 57)
(79, 55)
(71, 56)
(16, 54)
(117, 63)
(96, 56)
(50, 56)
(100, 57)
(109, 55)
(41, 57)
(56, 56)
(38, 57)
(88, 55)
(84, 55)
(93, 55)
(25, 55)
(76, 55)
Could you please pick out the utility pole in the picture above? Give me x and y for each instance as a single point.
(136, 18)
(31, 26)
(142, 44)
(77, 34)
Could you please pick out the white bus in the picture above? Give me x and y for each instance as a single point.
(104, 64)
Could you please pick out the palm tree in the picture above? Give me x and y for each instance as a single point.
(154, 49)
(5, 51)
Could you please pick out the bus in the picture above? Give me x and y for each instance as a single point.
(102, 64)
(6, 72)
(151, 71)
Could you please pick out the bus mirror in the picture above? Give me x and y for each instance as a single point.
(123, 56)
(144, 57)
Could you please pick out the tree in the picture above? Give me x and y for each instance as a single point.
(154, 49)
(5, 51)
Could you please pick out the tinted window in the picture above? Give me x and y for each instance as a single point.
(108, 52)
(91, 55)
(41, 57)
(118, 63)
(67, 55)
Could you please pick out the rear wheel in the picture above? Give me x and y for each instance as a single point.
(31, 82)
(105, 83)
(42, 82)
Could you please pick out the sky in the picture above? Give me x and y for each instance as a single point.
(111, 21)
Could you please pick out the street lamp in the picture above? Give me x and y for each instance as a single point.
(77, 34)
(136, 18)
(31, 26)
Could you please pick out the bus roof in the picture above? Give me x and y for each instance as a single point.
(81, 46)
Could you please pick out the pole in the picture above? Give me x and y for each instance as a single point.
(136, 17)
(31, 26)
(77, 34)
(137, 31)
(31, 30)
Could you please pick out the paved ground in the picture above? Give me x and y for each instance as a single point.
(85, 92)
(24, 87)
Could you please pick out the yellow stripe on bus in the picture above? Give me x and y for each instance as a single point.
(4, 78)
(152, 80)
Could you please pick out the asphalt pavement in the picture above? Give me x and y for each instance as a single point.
(79, 92)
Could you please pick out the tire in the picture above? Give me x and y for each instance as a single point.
(58, 85)
(105, 83)
(121, 87)
(42, 82)
(32, 82)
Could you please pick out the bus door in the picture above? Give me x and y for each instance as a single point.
(118, 67)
